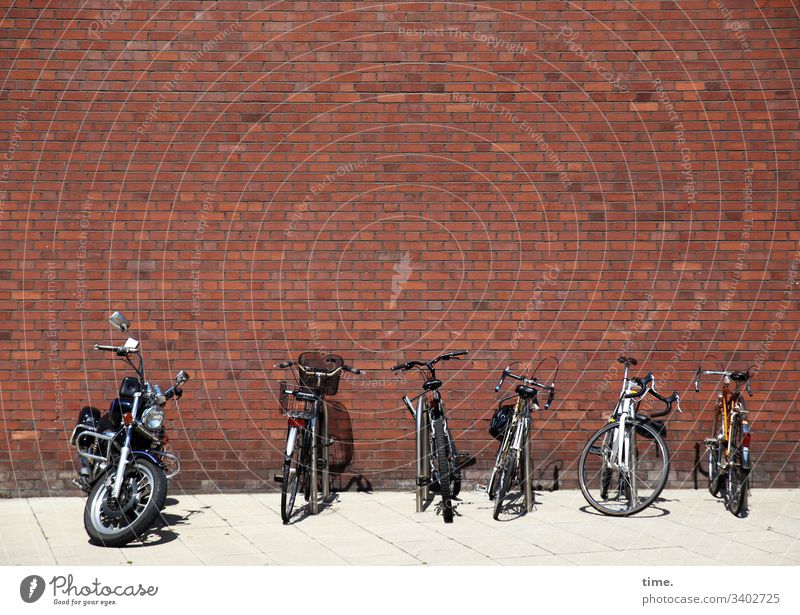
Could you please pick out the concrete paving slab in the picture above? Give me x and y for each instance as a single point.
(686, 528)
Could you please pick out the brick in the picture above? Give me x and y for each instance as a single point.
(263, 183)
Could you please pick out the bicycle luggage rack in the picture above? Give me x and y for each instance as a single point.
(423, 457)
(326, 475)
(527, 475)
(423, 438)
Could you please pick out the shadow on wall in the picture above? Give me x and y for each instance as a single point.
(342, 451)
(547, 477)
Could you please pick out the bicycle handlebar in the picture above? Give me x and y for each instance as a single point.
(347, 368)
(442, 357)
(646, 385)
(736, 376)
(528, 382)
(672, 399)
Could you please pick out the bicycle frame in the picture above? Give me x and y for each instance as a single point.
(517, 438)
(623, 444)
(423, 418)
(729, 405)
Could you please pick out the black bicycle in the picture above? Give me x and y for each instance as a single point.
(511, 424)
(303, 404)
(445, 461)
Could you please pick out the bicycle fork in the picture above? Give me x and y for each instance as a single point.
(625, 453)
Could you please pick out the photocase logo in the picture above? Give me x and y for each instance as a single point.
(402, 275)
(31, 588)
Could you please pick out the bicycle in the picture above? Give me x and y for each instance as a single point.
(317, 377)
(444, 459)
(511, 424)
(625, 464)
(729, 444)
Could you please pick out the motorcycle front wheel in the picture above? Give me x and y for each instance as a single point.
(111, 522)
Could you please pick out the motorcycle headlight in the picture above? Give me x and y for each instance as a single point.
(153, 418)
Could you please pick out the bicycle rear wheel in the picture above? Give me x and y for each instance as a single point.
(443, 469)
(738, 478)
(619, 490)
(295, 471)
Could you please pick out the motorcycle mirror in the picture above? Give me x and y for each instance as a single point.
(119, 322)
(181, 377)
(131, 344)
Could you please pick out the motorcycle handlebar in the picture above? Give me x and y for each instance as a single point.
(120, 350)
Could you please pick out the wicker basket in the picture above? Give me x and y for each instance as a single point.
(291, 406)
(320, 372)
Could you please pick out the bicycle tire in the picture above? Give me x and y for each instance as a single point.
(715, 477)
(499, 460)
(294, 473)
(443, 469)
(737, 482)
(650, 474)
(509, 469)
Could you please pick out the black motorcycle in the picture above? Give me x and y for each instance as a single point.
(124, 464)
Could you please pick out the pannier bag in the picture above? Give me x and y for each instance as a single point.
(659, 426)
(500, 420)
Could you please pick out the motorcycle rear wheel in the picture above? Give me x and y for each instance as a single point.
(115, 523)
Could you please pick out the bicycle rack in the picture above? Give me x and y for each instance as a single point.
(423, 457)
(527, 475)
(326, 477)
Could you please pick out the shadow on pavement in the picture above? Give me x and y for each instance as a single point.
(162, 532)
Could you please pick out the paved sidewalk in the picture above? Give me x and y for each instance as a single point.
(688, 527)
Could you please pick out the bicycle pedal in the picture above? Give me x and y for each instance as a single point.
(423, 482)
(278, 478)
(711, 442)
(322, 464)
(482, 488)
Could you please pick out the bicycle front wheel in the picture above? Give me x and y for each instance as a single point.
(715, 456)
(622, 473)
(504, 482)
(295, 471)
(443, 469)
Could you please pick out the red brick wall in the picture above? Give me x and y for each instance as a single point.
(531, 178)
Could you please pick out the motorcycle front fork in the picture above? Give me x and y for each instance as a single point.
(121, 464)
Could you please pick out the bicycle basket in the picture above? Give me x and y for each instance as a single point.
(500, 420)
(291, 406)
(317, 372)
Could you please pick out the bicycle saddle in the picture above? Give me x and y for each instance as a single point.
(627, 360)
(525, 392)
(432, 385)
(740, 376)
